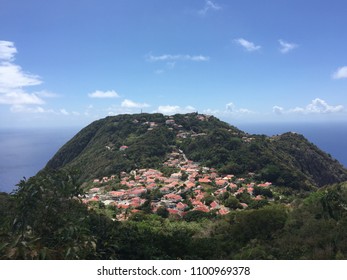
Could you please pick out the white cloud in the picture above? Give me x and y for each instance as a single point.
(210, 111)
(20, 108)
(46, 94)
(13, 79)
(231, 108)
(18, 96)
(340, 73)
(103, 94)
(29, 109)
(174, 109)
(278, 110)
(168, 66)
(320, 106)
(170, 57)
(286, 47)
(190, 108)
(131, 104)
(249, 46)
(88, 110)
(12, 76)
(231, 111)
(209, 6)
(64, 112)
(168, 109)
(317, 106)
(7, 50)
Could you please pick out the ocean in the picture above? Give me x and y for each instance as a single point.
(23, 152)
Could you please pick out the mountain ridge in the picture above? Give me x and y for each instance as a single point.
(288, 159)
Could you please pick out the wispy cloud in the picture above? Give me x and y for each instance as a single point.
(209, 6)
(174, 109)
(231, 108)
(103, 94)
(317, 106)
(131, 104)
(12, 76)
(46, 94)
(247, 45)
(29, 109)
(278, 110)
(18, 96)
(13, 79)
(64, 112)
(287, 47)
(340, 73)
(170, 65)
(172, 58)
(7, 50)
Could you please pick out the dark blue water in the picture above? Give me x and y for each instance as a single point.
(329, 137)
(23, 152)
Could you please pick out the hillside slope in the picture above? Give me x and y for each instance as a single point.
(125, 142)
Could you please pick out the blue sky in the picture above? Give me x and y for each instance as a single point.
(67, 63)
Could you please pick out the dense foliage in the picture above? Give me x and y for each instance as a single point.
(44, 219)
(286, 160)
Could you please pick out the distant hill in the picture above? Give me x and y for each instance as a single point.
(126, 142)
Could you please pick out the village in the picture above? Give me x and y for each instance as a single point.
(191, 188)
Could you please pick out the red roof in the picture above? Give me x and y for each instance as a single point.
(174, 212)
(190, 184)
(202, 208)
(265, 184)
(204, 180)
(181, 206)
(196, 202)
(223, 211)
(116, 193)
(214, 204)
(172, 196)
(221, 182)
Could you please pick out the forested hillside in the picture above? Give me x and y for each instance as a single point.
(288, 159)
(150, 186)
(44, 219)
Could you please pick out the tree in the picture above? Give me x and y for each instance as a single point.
(195, 215)
(49, 220)
(208, 199)
(259, 224)
(163, 212)
(233, 203)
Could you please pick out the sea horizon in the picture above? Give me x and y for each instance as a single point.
(25, 151)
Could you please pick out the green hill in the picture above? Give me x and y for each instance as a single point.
(126, 142)
(50, 216)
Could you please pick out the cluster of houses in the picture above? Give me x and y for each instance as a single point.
(184, 190)
(171, 123)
